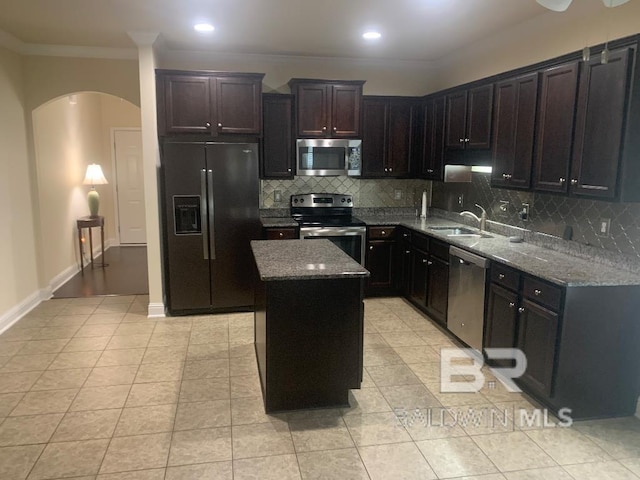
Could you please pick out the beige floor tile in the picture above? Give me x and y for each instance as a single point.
(160, 372)
(211, 368)
(28, 363)
(213, 413)
(148, 419)
(489, 476)
(87, 425)
(611, 470)
(209, 335)
(51, 333)
(430, 424)
(105, 319)
(241, 350)
(75, 309)
(245, 386)
(128, 329)
(618, 437)
(113, 358)
(153, 393)
(112, 308)
(28, 430)
(389, 323)
(176, 339)
(376, 429)
(61, 379)
(96, 330)
(118, 375)
(139, 452)
(8, 401)
(33, 321)
(343, 464)
(153, 474)
(374, 340)
(200, 446)
(455, 457)
(43, 346)
(10, 348)
(239, 366)
(208, 350)
(50, 401)
(261, 439)
(402, 339)
(241, 335)
(205, 389)
(217, 471)
(17, 382)
(173, 325)
(97, 398)
(66, 360)
(482, 419)
(400, 461)
(522, 453)
(115, 299)
(409, 397)
(632, 464)
(165, 355)
(547, 473)
(86, 344)
(16, 462)
(457, 399)
(366, 400)
(320, 433)
(417, 354)
(136, 315)
(367, 382)
(391, 375)
(83, 301)
(376, 356)
(16, 334)
(68, 321)
(133, 341)
(275, 467)
(567, 445)
(63, 459)
(249, 410)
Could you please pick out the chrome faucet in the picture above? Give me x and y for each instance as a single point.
(482, 220)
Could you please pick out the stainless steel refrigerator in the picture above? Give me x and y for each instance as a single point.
(211, 197)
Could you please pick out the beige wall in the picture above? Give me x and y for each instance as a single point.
(586, 22)
(18, 271)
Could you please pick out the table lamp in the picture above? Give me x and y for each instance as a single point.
(94, 177)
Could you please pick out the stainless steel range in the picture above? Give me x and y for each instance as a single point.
(329, 215)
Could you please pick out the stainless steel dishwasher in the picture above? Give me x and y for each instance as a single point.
(467, 280)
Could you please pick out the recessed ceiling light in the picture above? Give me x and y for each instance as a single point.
(203, 27)
(371, 35)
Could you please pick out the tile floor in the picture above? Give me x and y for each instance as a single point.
(92, 389)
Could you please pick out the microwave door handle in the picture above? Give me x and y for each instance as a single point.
(204, 227)
(211, 210)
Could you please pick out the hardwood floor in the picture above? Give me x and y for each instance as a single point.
(125, 274)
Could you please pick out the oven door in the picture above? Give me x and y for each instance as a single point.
(351, 240)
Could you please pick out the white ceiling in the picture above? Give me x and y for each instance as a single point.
(417, 30)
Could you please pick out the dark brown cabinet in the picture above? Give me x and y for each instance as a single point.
(386, 136)
(381, 261)
(327, 109)
(514, 130)
(403, 261)
(468, 119)
(214, 103)
(418, 290)
(556, 115)
(280, 233)
(502, 315)
(277, 146)
(432, 138)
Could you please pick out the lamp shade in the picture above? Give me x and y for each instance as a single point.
(94, 175)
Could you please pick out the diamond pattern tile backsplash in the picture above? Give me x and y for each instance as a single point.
(366, 193)
(548, 213)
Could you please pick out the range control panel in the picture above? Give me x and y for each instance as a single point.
(322, 200)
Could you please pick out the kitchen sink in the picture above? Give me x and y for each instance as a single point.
(460, 232)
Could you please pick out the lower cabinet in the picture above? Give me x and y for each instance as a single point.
(381, 261)
(280, 233)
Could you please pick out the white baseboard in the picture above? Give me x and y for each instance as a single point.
(63, 277)
(11, 316)
(156, 310)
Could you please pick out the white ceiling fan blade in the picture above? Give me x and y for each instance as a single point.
(614, 3)
(562, 5)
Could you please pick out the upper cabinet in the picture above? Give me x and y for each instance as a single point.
(277, 147)
(468, 119)
(387, 136)
(556, 115)
(431, 165)
(213, 103)
(327, 109)
(513, 131)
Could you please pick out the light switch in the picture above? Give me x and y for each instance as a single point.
(397, 194)
(277, 196)
(603, 227)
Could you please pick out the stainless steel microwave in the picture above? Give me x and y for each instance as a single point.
(328, 157)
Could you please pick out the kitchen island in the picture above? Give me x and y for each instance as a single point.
(308, 323)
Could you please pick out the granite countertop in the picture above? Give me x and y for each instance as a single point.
(556, 267)
(276, 222)
(303, 260)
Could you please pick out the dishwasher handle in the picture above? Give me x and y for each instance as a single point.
(468, 257)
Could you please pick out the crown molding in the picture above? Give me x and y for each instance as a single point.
(11, 42)
(144, 39)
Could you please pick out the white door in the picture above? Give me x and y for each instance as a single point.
(130, 186)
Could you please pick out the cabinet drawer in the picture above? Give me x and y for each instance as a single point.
(420, 241)
(282, 233)
(542, 293)
(439, 249)
(404, 234)
(380, 233)
(505, 276)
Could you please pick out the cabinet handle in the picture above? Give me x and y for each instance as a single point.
(509, 176)
(383, 232)
(574, 181)
(521, 309)
(390, 169)
(429, 263)
(324, 129)
(562, 180)
(462, 140)
(424, 260)
(335, 129)
(511, 304)
(501, 276)
(405, 235)
(429, 170)
(207, 124)
(407, 252)
(537, 292)
(288, 169)
(466, 140)
(219, 125)
(386, 169)
(281, 234)
(504, 175)
(370, 247)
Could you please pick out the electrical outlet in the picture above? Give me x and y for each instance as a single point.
(603, 227)
(524, 213)
(397, 194)
(461, 200)
(277, 196)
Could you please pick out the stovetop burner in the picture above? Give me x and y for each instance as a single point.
(324, 210)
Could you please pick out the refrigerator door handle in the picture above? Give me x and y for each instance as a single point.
(212, 232)
(203, 214)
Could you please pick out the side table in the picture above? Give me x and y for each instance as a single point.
(88, 223)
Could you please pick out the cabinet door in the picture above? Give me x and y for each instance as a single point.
(600, 122)
(380, 262)
(187, 104)
(403, 261)
(288, 233)
(399, 144)
(502, 314)
(479, 108)
(514, 130)
(238, 105)
(277, 155)
(345, 110)
(374, 137)
(555, 127)
(312, 110)
(433, 140)
(438, 289)
(537, 334)
(418, 293)
(456, 118)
